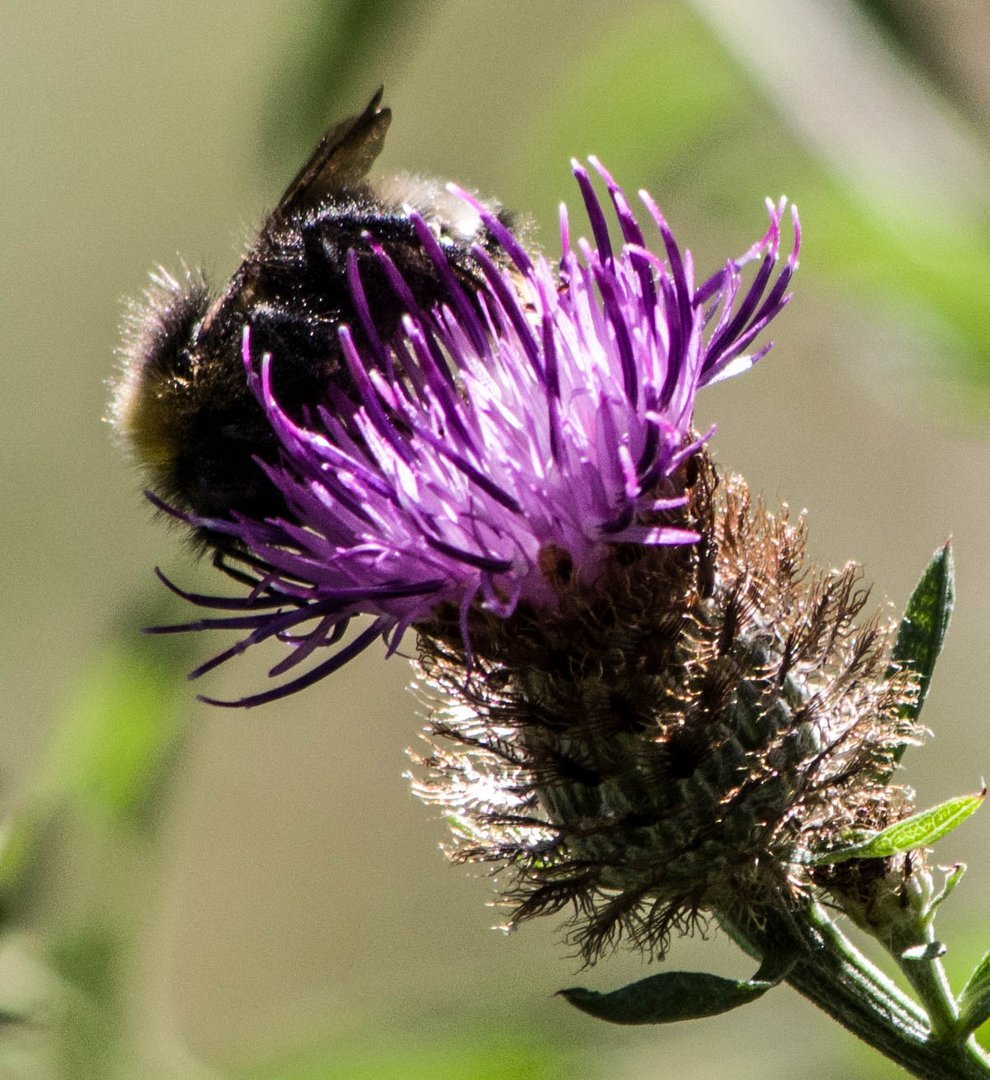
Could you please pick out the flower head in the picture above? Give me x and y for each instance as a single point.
(500, 449)
(679, 748)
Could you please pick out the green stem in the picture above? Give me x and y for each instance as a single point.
(927, 977)
(835, 976)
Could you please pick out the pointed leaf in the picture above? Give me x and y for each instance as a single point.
(953, 875)
(918, 830)
(974, 1001)
(926, 619)
(667, 997)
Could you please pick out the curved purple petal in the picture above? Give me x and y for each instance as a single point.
(545, 413)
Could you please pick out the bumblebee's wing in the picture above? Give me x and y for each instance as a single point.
(340, 162)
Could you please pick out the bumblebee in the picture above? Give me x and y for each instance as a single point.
(183, 401)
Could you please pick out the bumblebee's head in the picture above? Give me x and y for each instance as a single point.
(157, 368)
(184, 407)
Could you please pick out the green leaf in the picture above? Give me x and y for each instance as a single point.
(88, 1033)
(926, 619)
(919, 830)
(121, 728)
(668, 997)
(974, 1001)
(117, 739)
(953, 875)
(429, 1053)
(29, 840)
(658, 128)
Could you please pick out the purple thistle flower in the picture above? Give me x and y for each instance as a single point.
(498, 447)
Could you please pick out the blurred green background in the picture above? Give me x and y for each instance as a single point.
(189, 892)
